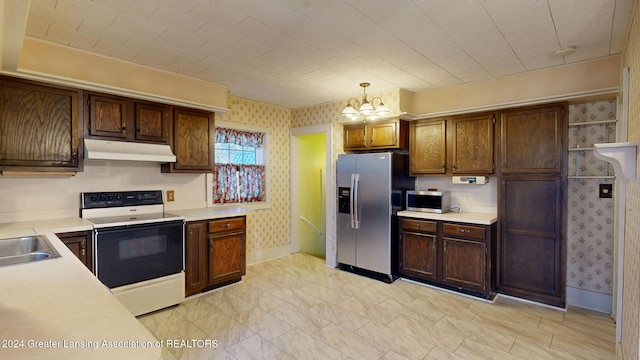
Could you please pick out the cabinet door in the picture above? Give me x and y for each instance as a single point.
(383, 135)
(418, 254)
(226, 257)
(80, 245)
(531, 250)
(195, 257)
(108, 116)
(152, 122)
(472, 145)
(532, 140)
(355, 137)
(193, 140)
(464, 263)
(427, 147)
(39, 127)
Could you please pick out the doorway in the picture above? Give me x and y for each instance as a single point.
(312, 229)
(312, 175)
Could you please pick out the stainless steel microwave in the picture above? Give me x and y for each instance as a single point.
(429, 201)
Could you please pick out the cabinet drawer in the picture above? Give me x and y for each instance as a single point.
(465, 231)
(420, 225)
(226, 224)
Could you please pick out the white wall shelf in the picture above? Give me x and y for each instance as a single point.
(622, 156)
(589, 123)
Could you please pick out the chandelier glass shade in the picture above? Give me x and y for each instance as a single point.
(365, 109)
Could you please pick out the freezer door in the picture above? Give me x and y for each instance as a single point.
(374, 212)
(346, 233)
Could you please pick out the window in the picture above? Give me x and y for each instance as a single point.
(239, 174)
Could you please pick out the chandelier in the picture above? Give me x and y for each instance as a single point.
(365, 109)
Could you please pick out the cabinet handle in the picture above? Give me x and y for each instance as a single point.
(463, 230)
(444, 246)
(454, 166)
(83, 252)
(444, 168)
(138, 130)
(433, 244)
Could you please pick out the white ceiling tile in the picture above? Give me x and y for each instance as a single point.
(295, 53)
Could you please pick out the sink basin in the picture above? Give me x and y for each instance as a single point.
(20, 250)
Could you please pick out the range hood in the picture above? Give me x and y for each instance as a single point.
(127, 151)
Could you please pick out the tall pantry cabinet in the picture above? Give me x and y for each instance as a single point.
(532, 198)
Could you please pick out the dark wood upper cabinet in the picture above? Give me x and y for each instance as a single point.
(461, 145)
(427, 147)
(192, 141)
(472, 144)
(107, 116)
(39, 127)
(117, 118)
(532, 140)
(152, 122)
(385, 134)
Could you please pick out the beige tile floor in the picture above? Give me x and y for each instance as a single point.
(295, 307)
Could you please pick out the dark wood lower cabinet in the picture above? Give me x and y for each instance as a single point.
(531, 250)
(452, 255)
(79, 243)
(215, 253)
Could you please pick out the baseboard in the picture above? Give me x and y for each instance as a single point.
(590, 300)
(267, 254)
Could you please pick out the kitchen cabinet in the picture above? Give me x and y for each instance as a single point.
(192, 141)
(532, 204)
(466, 257)
(532, 140)
(40, 129)
(472, 144)
(195, 240)
(418, 248)
(118, 118)
(427, 147)
(456, 256)
(215, 253)
(532, 249)
(461, 145)
(226, 249)
(79, 243)
(377, 135)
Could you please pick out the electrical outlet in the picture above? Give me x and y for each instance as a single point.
(605, 191)
(170, 195)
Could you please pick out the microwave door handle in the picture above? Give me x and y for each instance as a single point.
(356, 201)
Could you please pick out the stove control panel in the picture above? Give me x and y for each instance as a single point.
(95, 200)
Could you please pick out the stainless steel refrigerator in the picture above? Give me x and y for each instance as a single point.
(370, 191)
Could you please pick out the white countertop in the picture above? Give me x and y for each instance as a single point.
(58, 302)
(210, 213)
(462, 217)
(49, 306)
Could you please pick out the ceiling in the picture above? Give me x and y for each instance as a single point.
(296, 53)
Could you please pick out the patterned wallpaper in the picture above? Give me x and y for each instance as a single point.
(590, 219)
(631, 295)
(267, 228)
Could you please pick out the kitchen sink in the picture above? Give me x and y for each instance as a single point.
(27, 249)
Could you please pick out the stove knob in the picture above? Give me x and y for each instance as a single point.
(109, 197)
(93, 197)
(102, 197)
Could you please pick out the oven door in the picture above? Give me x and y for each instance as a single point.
(130, 254)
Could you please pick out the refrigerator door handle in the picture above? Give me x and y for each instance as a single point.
(356, 178)
(351, 200)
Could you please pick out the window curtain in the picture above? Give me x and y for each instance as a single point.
(239, 137)
(234, 183)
